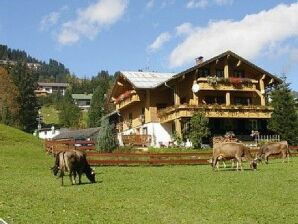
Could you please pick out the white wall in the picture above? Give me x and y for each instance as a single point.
(48, 134)
(161, 133)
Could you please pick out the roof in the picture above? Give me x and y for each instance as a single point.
(76, 134)
(223, 55)
(82, 96)
(50, 84)
(146, 80)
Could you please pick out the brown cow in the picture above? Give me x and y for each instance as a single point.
(74, 162)
(274, 148)
(232, 150)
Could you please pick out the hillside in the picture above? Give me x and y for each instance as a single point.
(10, 136)
(53, 71)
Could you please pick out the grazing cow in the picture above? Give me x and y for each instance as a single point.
(273, 148)
(232, 150)
(74, 162)
(223, 162)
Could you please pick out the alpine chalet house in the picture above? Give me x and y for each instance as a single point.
(230, 90)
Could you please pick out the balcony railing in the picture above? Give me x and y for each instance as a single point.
(128, 101)
(215, 111)
(227, 84)
(136, 140)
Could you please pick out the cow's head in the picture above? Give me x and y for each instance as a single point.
(253, 164)
(91, 175)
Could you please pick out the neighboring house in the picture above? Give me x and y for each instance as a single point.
(83, 101)
(47, 88)
(47, 133)
(230, 90)
(80, 134)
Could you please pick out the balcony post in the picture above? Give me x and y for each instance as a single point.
(262, 90)
(176, 96)
(226, 69)
(147, 107)
(228, 99)
(178, 127)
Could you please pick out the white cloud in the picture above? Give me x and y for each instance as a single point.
(159, 41)
(150, 4)
(51, 19)
(197, 4)
(91, 20)
(249, 37)
(184, 29)
(224, 2)
(204, 3)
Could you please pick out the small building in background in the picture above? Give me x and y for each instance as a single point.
(47, 88)
(47, 133)
(79, 134)
(83, 101)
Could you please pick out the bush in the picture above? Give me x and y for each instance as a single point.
(107, 138)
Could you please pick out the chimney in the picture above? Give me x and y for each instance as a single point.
(199, 60)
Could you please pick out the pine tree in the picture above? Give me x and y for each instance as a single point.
(198, 129)
(284, 119)
(96, 110)
(9, 107)
(26, 82)
(70, 114)
(107, 137)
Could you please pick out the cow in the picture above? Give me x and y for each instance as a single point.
(232, 150)
(273, 148)
(74, 162)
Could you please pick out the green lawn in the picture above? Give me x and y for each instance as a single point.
(29, 193)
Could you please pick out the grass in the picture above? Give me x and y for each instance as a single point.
(50, 114)
(167, 194)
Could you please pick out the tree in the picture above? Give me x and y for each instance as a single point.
(70, 114)
(284, 119)
(107, 137)
(97, 107)
(9, 107)
(26, 82)
(198, 129)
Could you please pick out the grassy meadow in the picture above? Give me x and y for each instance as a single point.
(29, 193)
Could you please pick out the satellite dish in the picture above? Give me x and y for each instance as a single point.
(195, 88)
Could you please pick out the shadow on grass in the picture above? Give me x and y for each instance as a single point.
(233, 169)
(82, 184)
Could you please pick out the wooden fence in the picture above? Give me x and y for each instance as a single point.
(126, 159)
(137, 158)
(64, 145)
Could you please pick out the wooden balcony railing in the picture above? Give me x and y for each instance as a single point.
(215, 111)
(127, 101)
(230, 84)
(136, 140)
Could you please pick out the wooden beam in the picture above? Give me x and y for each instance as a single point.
(120, 83)
(239, 63)
(271, 81)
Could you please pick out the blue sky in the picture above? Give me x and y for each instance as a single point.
(157, 35)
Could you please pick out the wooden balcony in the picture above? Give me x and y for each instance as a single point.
(215, 111)
(221, 84)
(136, 140)
(128, 101)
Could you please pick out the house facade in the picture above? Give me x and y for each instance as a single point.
(228, 89)
(47, 88)
(83, 101)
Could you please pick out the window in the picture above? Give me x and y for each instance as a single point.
(145, 131)
(238, 74)
(243, 100)
(204, 72)
(219, 73)
(215, 100)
